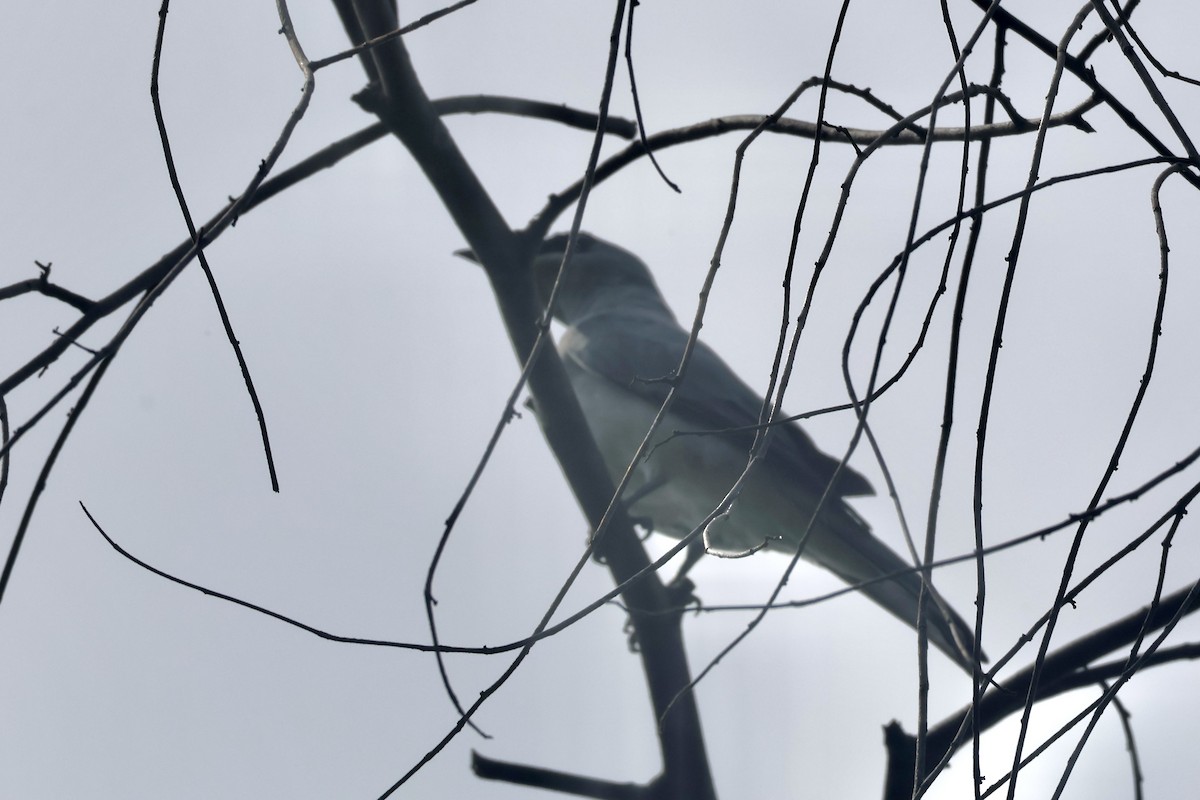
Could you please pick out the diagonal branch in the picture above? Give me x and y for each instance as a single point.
(1062, 671)
(505, 256)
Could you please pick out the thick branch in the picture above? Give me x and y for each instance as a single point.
(45, 287)
(1059, 674)
(505, 257)
(537, 777)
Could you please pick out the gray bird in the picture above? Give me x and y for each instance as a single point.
(621, 341)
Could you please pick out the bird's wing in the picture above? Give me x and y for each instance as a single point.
(640, 352)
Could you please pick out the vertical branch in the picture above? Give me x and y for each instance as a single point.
(985, 151)
(1143, 386)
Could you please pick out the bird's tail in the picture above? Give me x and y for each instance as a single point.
(846, 547)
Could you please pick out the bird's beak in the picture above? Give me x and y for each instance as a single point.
(468, 254)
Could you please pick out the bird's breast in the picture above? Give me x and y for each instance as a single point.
(684, 474)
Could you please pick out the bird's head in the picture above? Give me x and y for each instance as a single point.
(601, 277)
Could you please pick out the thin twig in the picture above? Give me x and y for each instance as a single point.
(98, 365)
(637, 103)
(177, 188)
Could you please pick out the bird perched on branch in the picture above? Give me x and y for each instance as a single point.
(622, 347)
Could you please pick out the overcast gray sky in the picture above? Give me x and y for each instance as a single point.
(382, 366)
